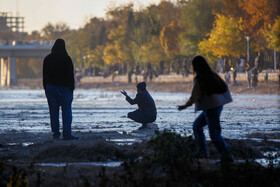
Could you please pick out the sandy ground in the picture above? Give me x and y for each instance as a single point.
(164, 83)
(180, 87)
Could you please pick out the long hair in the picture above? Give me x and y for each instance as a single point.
(209, 81)
(59, 47)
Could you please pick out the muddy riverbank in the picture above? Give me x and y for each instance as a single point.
(98, 160)
(112, 152)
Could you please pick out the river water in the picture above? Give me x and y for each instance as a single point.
(99, 111)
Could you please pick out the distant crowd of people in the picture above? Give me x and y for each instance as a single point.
(181, 66)
(252, 71)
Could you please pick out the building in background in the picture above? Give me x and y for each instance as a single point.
(11, 23)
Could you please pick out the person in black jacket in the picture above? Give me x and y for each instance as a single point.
(59, 84)
(146, 112)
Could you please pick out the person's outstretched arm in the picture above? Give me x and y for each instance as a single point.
(196, 94)
(131, 101)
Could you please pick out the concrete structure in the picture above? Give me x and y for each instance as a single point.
(11, 23)
(9, 53)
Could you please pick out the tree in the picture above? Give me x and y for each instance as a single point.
(169, 39)
(273, 35)
(111, 56)
(153, 52)
(96, 32)
(122, 36)
(87, 44)
(35, 35)
(54, 31)
(197, 19)
(259, 15)
(121, 45)
(96, 56)
(226, 38)
(168, 13)
(77, 44)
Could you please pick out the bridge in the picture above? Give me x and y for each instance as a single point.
(10, 50)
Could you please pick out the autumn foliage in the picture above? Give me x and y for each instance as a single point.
(164, 31)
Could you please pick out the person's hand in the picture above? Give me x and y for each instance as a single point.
(124, 93)
(181, 107)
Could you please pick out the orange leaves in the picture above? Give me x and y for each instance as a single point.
(260, 12)
(256, 15)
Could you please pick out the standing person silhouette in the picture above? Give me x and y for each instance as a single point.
(147, 112)
(59, 84)
(209, 94)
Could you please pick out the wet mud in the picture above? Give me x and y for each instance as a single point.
(250, 126)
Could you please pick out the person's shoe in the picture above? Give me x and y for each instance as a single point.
(55, 138)
(201, 154)
(71, 137)
(152, 126)
(144, 126)
(226, 158)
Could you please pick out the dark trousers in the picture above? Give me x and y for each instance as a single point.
(59, 96)
(141, 117)
(211, 118)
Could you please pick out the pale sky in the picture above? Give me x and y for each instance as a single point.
(37, 13)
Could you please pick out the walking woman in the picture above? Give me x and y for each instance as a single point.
(58, 82)
(209, 94)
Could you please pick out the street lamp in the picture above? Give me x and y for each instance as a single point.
(247, 38)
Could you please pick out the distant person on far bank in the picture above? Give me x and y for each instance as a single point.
(234, 74)
(227, 77)
(146, 112)
(210, 93)
(266, 77)
(59, 84)
(279, 79)
(249, 75)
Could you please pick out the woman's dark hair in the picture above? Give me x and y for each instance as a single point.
(209, 81)
(59, 47)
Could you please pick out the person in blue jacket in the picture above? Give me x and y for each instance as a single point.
(146, 112)
(209, 94)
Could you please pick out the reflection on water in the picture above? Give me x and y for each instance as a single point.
(272, 159)
(125, 141)
(79, 164)
(25, 144)
(98, 111)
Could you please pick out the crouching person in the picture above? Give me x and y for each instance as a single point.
(146, 112)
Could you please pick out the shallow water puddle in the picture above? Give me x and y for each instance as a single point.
(260, 139)
(272, 159)
(127, 141)
(25, 144)
(267, 163)
(105, 164)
